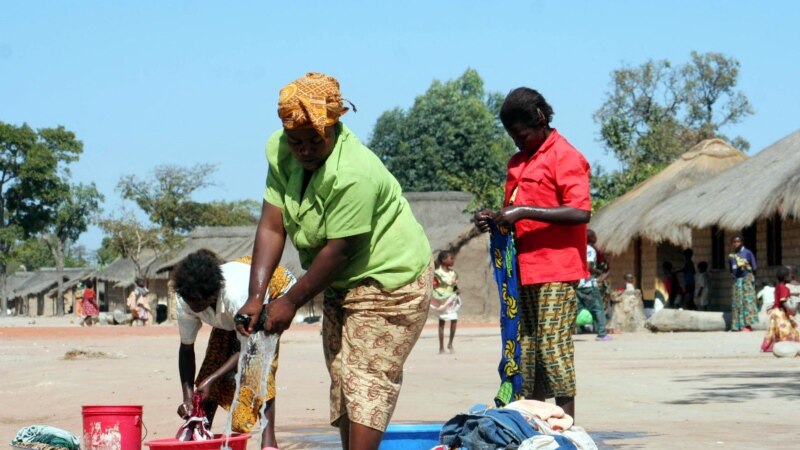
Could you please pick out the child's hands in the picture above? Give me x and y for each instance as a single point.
(204, 387)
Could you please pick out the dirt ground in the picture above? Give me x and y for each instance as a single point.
(640, 391)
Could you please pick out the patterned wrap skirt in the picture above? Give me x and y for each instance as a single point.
(367, 334)
(782, 327)
(744, 311)
(548, 313)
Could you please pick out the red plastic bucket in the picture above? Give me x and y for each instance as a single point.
(112, 427)
(236, 442)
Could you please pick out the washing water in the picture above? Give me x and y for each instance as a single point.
(255, 361)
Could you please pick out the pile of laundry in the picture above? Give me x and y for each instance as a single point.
(520, 425)
(44, 437)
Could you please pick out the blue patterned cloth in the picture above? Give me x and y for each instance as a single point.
(506, 274)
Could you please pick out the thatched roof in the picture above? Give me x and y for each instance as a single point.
(227, 242)
(618, 223)
(16, 280)
(122, 272)
(764, 185)
(45, 279)
(442, 215)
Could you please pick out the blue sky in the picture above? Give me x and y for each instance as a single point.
(182, 82)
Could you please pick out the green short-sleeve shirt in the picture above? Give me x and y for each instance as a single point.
(351, 194)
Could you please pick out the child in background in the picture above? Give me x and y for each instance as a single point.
(79, 301)
(138, 304)
(445, 298)
(671, 285)
(91, 310)
(782, 324)
(630, 282)
(701, 287)
(688, 275)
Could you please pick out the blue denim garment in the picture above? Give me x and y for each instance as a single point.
(491, 429)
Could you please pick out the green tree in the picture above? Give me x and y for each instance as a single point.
(450, 139)
(70, 218)
(30, 255)
(107, 252)
(127, 237)
(33, 167)
(167, 197)
(657, 111)
(33, 254)
(226, 214)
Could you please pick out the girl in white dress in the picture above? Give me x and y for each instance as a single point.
(445, 296)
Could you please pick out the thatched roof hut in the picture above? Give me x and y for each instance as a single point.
(621, 221)
(442, 215)
(122, 272)
(227, 242)
(761, 187)
(46, 279)
(14, 281)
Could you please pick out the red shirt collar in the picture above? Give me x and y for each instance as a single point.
(546, 145)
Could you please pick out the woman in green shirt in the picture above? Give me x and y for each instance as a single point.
(360, 244)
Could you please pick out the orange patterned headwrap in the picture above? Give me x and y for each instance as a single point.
(313, 100)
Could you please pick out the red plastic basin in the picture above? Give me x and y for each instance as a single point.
(238, 441)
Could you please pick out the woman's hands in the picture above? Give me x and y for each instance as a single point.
(280, 313)
(508, 216)
(251, 308)
(482, 220)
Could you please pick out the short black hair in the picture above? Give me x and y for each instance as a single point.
(442, 256)
(688, 253)
(782, 274)
(526, 107)
(88, 283)
(702, 266)
(198, 276)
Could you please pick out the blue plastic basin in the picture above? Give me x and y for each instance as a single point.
(417, 436)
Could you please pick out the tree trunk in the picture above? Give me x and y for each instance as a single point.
(60, 275)
(57, 250)
(4, 298)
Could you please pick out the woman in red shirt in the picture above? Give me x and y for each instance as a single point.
(547, 202)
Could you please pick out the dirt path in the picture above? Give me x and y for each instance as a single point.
(643, 390)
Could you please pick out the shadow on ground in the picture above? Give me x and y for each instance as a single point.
(615, 440)
(738, 386)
